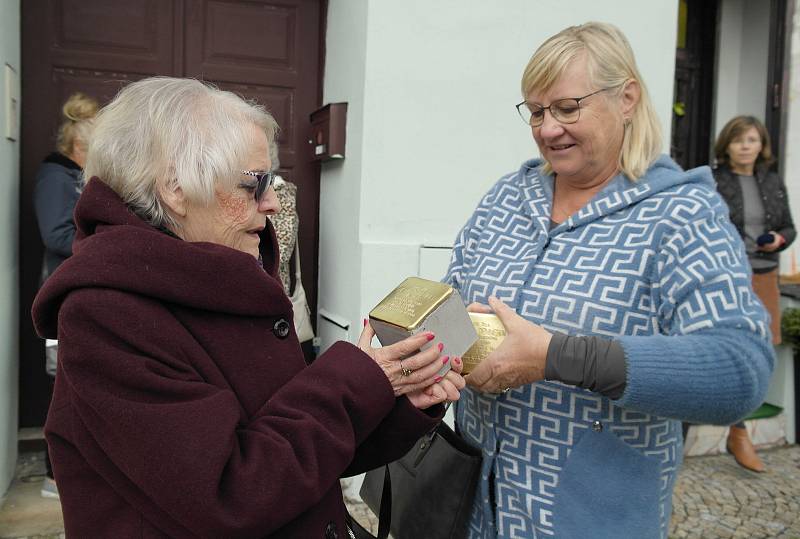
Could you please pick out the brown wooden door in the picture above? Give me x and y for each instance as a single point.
(266, 50)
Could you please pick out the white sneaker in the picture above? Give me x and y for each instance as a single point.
(49, 489)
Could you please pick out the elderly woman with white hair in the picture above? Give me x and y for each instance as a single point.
(625, 292)
(183, 406)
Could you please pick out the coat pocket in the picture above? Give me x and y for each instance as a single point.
(607, 489)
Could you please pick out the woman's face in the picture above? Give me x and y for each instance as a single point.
(234, 218)
(744, 150)
(587, 151)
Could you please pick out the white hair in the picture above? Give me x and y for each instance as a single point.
(162, 132)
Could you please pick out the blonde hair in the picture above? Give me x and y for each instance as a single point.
(79, 112)
(611, 63)
(167, 132)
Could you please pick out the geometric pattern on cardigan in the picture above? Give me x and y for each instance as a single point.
(640, 259)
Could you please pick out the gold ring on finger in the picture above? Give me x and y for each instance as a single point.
(404, 371)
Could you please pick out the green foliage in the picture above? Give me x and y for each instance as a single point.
(790, 327)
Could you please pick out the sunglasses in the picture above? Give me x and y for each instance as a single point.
(265, 181)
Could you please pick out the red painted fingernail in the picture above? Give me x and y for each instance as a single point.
(430, 336)
(365, 322)
(441, 347)
(437, 379)
(457, 360)
(445, 359)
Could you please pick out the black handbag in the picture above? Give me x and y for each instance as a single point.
(431, 488)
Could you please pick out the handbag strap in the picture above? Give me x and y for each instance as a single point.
(385, 512)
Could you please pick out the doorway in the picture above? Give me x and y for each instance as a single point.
(693, 107)
(271, 51)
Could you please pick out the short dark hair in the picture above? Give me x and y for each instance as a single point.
(735, 127)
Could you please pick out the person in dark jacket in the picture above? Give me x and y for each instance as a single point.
(183, 407)
(759, 209)
(58, 183)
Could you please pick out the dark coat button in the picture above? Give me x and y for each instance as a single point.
(597, 426)
(281, 329)
(330, 531)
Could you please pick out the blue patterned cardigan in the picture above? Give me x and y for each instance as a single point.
(656, 264)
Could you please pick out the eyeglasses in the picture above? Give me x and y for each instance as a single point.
(566, 111)
(265, 181)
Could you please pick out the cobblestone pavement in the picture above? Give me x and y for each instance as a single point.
(715, 498)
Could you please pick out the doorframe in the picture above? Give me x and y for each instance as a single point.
(33, 380)
(781, 17)
(702, 22)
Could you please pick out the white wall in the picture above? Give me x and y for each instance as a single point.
(9, 257)
(431, 124)
(340, 182)
(742, 53)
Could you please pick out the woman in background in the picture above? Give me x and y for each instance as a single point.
(58, 182)
(759, 209)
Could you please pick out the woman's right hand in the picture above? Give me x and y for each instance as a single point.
(520, 359)
(424, 365)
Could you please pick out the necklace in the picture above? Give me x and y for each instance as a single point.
(557, 214)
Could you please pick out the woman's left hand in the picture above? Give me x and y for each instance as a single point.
(448, 389)
(520, 358)
(776, 243)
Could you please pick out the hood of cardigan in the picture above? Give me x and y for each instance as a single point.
(664, 174)
(117, 250)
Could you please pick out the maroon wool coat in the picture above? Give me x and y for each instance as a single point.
(183, 406)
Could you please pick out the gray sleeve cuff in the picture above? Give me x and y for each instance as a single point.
(593, 363)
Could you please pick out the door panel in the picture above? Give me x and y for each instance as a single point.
(247, 36)
(134, 35)
(268, 51)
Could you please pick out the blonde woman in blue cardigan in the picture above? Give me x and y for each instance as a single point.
(626, 295)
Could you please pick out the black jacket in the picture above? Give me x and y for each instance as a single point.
(777, 215)
(58, 183)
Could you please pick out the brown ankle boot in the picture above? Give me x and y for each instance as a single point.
(740, 446)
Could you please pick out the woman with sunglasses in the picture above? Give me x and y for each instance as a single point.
(625, 294)
(183, 406)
